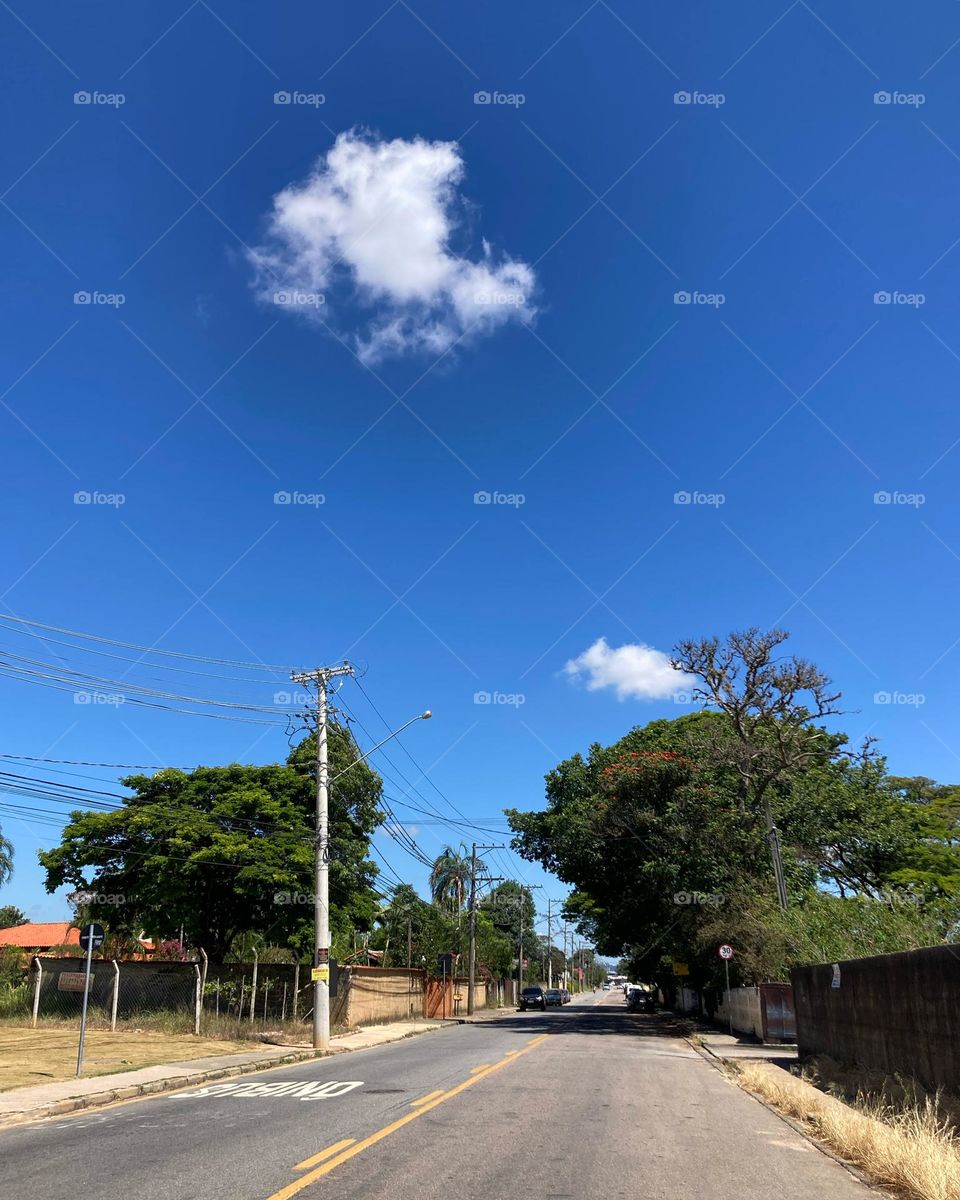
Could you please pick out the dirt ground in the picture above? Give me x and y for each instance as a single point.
(29, 1056)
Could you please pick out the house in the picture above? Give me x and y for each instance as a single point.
(38, 938)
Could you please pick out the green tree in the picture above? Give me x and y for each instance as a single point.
(10, 916)
(6, 860)
(221, 851)
(450, 878)
(512, 912)
(770, 707)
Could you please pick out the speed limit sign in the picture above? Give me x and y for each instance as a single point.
(726, 952)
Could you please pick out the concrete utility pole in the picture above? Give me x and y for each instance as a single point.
(473, 921)
(320, 678)
(321, 894)
(524, 887)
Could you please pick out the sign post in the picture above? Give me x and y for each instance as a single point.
(91, 938)
(726, 953)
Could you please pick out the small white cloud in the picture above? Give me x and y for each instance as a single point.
(376, 218)
(633, 670)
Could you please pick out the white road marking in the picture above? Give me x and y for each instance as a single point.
(297, 1090)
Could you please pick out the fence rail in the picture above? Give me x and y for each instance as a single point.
(233, 997)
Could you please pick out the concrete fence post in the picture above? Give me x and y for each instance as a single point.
(115, 997)
(36, 990)
(296, 988)
(253, 986)
(197, 1001)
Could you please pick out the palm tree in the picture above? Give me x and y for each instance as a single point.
(6, 860)
(450, 877)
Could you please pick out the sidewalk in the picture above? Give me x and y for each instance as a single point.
(729, 1046)
(57, 1099)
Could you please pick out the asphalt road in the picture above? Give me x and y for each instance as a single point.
(585, 1102)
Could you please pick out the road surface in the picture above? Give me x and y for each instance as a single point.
(585, 1102)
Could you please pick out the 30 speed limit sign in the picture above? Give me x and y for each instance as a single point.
(726, 952)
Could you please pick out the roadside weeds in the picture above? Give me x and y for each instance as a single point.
(912, 1150)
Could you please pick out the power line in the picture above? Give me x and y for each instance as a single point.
(274, 668)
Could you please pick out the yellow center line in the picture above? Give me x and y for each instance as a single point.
(324, 1154)
(424, 1099)
(482, 1067)
(349, 1152)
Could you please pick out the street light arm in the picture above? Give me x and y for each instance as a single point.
(424, 716)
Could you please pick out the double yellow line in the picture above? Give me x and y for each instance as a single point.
(340, 1152)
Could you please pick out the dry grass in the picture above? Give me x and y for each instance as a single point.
(30, 1056)
(911, 1148)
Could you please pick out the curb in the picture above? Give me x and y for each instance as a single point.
(73, 1104)
(60, 1108)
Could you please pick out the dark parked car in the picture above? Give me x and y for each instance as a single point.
(564, 996)
(554, 996)
(533, 997)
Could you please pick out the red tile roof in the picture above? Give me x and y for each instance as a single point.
(40, 936)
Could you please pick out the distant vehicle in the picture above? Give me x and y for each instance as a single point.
(554, 996)
(639, 999)
(533, 997)
(564, 996)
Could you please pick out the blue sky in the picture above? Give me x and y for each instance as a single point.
(792, 173)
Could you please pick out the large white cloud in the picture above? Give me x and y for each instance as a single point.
(376, 218)
(632, 670)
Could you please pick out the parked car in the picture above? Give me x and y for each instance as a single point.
(533, 997)
(554, 996)
(564, 996)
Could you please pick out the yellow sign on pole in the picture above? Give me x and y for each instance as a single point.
(320, 974)
(680, 968)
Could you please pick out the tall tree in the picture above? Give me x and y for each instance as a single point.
(771, 706)
(223, 851)
(6, 860)
(450, 878)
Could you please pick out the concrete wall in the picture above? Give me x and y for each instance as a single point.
(894, 1013)
(745, 1009)
(764, 1010)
